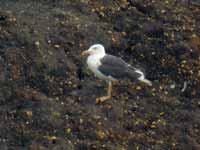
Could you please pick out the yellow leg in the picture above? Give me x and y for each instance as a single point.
(108, 96)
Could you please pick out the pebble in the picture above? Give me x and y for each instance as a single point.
(29, 114)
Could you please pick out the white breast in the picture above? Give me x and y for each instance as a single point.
(93, 62)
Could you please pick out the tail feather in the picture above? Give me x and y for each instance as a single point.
(136, 74)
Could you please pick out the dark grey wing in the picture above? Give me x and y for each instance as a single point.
(113, 66)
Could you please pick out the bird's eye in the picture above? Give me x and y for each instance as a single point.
(95, 48)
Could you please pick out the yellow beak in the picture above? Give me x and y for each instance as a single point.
(85, 53)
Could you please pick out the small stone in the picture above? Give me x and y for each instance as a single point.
(173, 144)
(37, 43)
(57, 46)
(162, 113)
(101, 134)
(56, 114)
(74, 86)
(163, 11)
(52, 139)
(29, 114)
(153, 126)
(99, 123)
(124, 33)
(68, 130)
(81, 121)
(172, 86)
(138, 88)
(69, 82)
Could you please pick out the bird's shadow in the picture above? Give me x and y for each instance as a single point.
(89, 88)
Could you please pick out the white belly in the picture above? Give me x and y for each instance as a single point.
(93, 63)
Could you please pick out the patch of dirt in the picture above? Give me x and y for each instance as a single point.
(47, 96)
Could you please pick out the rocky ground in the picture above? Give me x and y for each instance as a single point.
(47, 95)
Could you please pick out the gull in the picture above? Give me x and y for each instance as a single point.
(111, 68)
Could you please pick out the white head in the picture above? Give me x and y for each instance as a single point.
(96, 49)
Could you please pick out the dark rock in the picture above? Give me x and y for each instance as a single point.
(181, 48)
(142, 6)
(154, 29)
(6, 18)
